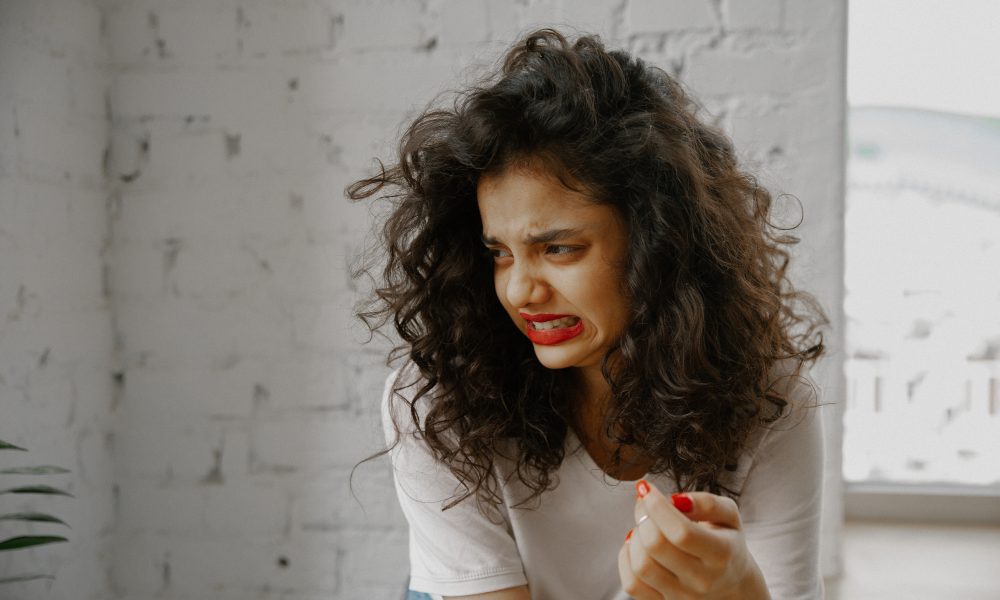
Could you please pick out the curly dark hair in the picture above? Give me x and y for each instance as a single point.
(712, 309)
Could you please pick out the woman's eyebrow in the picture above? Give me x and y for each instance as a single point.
(552, 235)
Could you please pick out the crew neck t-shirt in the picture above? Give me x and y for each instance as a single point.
(564, 545)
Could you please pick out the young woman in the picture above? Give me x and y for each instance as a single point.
(605, 391)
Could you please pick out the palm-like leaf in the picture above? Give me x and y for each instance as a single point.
(42, 470)
(33, 516)
(36, 489)
(25, 541)
(17, 578)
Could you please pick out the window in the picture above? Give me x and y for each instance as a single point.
(923, 250)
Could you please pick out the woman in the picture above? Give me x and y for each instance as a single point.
(589, 294)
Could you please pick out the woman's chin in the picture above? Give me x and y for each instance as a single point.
(554, 358)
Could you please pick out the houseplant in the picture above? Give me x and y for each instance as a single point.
(26, 541)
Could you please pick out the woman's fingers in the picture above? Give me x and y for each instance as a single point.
(683, 529)
(689, 571)
(687, 546)
(660, 564)
(713, 509)
(631, 583)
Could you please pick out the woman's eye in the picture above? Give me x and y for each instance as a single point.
(562, 249)
(498, 253)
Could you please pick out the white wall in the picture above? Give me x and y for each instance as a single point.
(56, 363)
(925, 54)
(246, 399)
(246, 395)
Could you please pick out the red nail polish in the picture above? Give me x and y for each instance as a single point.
(641, 488)
(682, 503)
(629, 535)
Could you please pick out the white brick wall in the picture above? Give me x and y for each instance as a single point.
(221, 233)
(55, 319)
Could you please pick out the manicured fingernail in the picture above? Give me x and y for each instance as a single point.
(682, 503)
(629, 535)
(641, 488)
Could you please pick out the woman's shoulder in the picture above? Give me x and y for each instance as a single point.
(401, 397)
(791, 380)
(795, 430)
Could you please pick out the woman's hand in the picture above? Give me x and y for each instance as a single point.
(687, 546)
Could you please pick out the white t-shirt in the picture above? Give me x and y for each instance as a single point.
(565, 544)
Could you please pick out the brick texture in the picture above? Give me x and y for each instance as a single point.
(56, 343)
(175, 311)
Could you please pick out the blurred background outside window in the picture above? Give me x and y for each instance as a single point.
(923, 246)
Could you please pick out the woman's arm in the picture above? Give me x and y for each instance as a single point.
(454, 553)
(781, 507)
(688, 546)
(517, 593)
(772, 538)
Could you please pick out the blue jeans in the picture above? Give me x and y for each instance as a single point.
(411, 595)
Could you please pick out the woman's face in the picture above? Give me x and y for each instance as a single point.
(558, 260)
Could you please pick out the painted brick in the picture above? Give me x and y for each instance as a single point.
(765, 15)
(156, 33)
(382, 565)
(670, 15)
(288, 29)
(74, 33)
(535, 14)
(346, 84)
(815, 15)
(304, 442)
(206, 511)
(87, 86)
(336, 501)
(203, 156)
(192, 331)
(75, 157)
(371, 24)
(42, 92)
(325, 327)
(325, 383)
(606, 19)
(769, 70)
(193, 307)
(223, 392)
(164, 448)
(55, 323)
(460, 22)
(255, 207)
(236, 94)
(763, 127)
(251, 566)
(502, 21)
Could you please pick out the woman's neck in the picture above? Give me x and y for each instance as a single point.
(589, 414)
(594, 398)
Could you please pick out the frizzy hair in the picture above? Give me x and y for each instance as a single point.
(712, 309)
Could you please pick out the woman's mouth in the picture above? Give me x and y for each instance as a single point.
(553, 324)
(554, 331)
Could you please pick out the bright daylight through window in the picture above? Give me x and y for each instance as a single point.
(923, 247)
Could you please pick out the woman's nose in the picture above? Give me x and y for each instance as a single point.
(526, 287)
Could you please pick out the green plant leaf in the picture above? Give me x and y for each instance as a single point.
(36, 489)
(17, 578)
(24, 541)
(42, 470)
(8, 446)
(32, 516)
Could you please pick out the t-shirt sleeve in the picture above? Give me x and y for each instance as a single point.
(453, 552)
(781, 498)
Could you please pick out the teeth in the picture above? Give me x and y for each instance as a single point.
(555, 324)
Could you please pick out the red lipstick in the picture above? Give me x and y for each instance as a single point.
(541, 317)
(550, 337)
